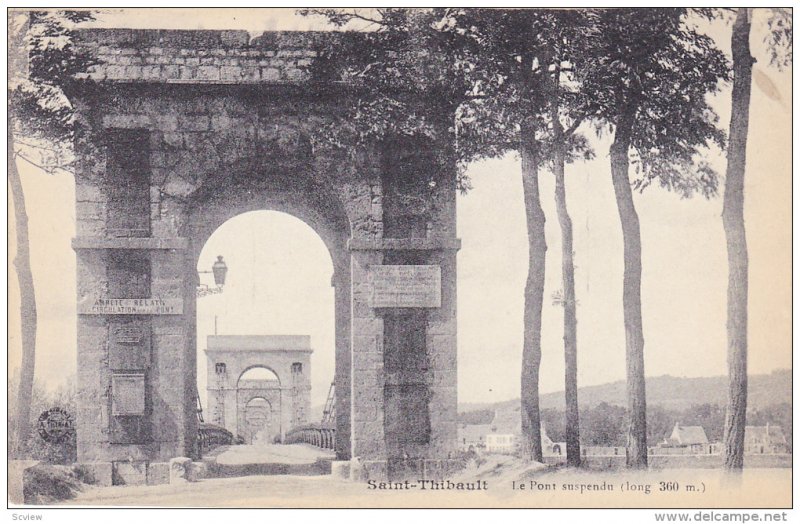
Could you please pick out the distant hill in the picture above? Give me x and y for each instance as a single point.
(669, 392)
(675, 393)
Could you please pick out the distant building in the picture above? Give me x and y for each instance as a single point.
(764, 439)
(550, 448)
(472, 437)
(502, 443)
(689, 439)
(504, 432)
(505, 435)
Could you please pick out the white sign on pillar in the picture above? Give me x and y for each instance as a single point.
(131, 306)
(406, 286)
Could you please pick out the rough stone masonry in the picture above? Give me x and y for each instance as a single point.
(183, 130)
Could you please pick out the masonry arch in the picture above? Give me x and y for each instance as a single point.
(304, 199)
(259, 407)
(260, 421)
(258, 372)
(254, 301)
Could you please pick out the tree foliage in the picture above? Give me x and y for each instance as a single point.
(405, 77)
(44, 62)
(658, 63)
(469, 77)
(779, 37)
(488, 72)
(603, 425)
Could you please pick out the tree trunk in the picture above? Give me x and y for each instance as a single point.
(534, 295)
(733, 223)
(636, 451)
(22, 263)
(568, 283)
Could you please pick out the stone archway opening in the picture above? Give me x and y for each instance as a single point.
(260, 420)
(278, 285)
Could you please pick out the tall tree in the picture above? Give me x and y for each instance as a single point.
(631, 288)
(534, 295)
(40, 127)
(569, 41)
(521, 104)
(28, 316)
(568, 299)
(779, 38)
(736, 241)
(653, 72)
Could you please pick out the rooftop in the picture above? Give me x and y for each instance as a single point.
(689, 435)
(768, 433)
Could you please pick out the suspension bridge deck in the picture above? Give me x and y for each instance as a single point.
(268, 459)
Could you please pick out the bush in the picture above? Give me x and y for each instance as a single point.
(46, 484)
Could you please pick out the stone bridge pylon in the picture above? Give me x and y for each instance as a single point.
(286, 397)
(183, 130)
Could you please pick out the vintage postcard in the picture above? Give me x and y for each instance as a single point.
(401, 258)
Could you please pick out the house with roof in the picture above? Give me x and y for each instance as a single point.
(504, 432)
(689, 439)
(764, 439)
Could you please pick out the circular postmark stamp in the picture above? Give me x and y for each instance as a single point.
(55, 425)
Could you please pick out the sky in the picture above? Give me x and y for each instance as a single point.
(279, 269)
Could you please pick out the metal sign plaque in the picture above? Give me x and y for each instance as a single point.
(128, 336)
(129, 343)
(55, 425)
(127, 394)
(406, 286)
(131, 306)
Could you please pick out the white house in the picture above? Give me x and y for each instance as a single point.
(688, 439)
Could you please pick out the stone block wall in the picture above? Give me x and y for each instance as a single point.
(218, 57)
